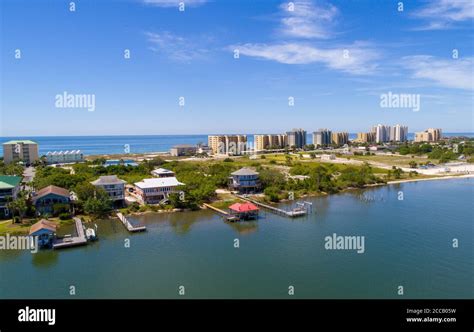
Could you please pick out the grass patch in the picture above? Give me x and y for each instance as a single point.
(7, 227)
(224, 204)
(392, 160)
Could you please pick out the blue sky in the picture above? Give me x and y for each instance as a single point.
(335, 58)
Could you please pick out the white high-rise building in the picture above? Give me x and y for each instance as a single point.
(382, 133)
(399, 133)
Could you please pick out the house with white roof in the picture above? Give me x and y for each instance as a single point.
(162, 173)
(155, 190)
(61, 157)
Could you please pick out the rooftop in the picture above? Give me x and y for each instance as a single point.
(51, 190)
(158, 182)
(162, 171)
(107, 179)
(63, 152)
(184, 146)
(9, 181)
(245, 171)
(43, 224)
(26, 141)
(243, 207)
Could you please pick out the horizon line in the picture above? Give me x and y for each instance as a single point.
(207, 134)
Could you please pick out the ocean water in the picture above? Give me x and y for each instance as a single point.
(95, 145)
(407, 243)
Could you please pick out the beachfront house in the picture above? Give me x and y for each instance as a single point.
(45, 231)
(48, 197)
(244, 211)
(204, 149)
(245, 181)
(114, 187)
(163, 173)
(183, 150)
(157, 190)
(9, 189)
(64, 157)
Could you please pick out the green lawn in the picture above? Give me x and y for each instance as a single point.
(6, 226)
(13, 229)
(224, 202)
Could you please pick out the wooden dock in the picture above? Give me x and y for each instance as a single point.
(222, 212)
(78, 240)
(299, 212)
(227, 216)
(129, 226)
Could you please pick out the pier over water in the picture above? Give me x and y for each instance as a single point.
(296, 212)
(131, 228)
(78, 240)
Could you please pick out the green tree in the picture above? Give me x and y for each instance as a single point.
(321, 180)
(84, 190)
(60, 208)
(397, 173)
(18, 206)
(271, 178)
(100, 205)
(412, 164)
(155, 162)
(272, 194)
(99, 161)
(177, 200)
(11, 168)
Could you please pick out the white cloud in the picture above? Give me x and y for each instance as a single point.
(303, 19)
(174, 3)
(354, 59)
(175, 47)
(455, 73)
(443, 14)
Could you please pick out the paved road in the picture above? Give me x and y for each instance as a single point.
(28, 176)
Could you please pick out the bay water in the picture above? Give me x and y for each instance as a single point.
(408, 243)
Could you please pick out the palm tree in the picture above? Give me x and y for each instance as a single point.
(18, 205)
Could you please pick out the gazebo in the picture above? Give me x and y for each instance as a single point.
(244, 211)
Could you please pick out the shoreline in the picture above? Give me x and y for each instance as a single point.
(448, 177)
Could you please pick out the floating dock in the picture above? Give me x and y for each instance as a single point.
(297, 212)
(128, 225)
(78, 240)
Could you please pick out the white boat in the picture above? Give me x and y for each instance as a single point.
(90, 234)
